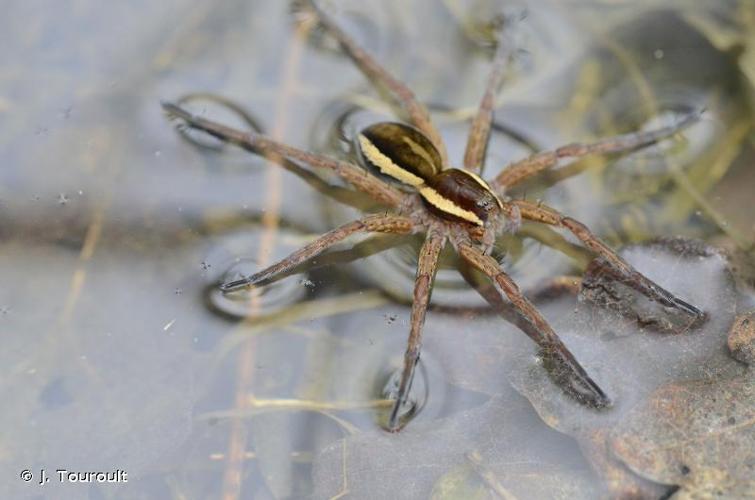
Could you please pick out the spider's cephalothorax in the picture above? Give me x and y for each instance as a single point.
(456, 206)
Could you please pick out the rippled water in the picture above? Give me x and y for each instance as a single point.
(118, 350)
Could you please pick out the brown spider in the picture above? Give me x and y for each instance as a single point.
(449, 205)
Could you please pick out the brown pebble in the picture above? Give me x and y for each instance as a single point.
(742, 338)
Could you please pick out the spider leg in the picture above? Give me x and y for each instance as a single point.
(569, 371)
(427, 265)
(518, 171)
(371, 223)
(625, 272)
(380, 77)
(479, 133)
(277, 151)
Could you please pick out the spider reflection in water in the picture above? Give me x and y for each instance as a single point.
(449, 206)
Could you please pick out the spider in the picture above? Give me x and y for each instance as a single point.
(405, 168)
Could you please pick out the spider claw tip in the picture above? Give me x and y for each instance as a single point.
(175, 111)
(689, 308)
(231, 286)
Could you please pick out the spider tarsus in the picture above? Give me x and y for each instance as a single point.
(394, 426)
(175, 111)
(593, 395)
(573, 379)
(395, 423)
(393, 420)
(689, 308)
(668, 299)
(191, 121)
(690, 118)
(238, 284)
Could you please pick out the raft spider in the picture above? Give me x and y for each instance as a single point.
(449, 205)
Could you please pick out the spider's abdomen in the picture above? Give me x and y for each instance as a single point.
(461, 196)
(399, 151)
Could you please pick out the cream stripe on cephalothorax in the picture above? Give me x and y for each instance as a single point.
(445, 205)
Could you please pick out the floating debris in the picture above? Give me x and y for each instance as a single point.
(741, 339)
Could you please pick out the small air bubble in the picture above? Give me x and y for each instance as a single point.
(81, 192)
(658, 54)
(158, 153)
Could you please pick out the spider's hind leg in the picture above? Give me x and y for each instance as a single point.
(622, 269)
(565, 368)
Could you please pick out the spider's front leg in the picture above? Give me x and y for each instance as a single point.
(380, 77)
(568, 371)
(623, 270)
(427, 265)
(479, 133)
(276, 151)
